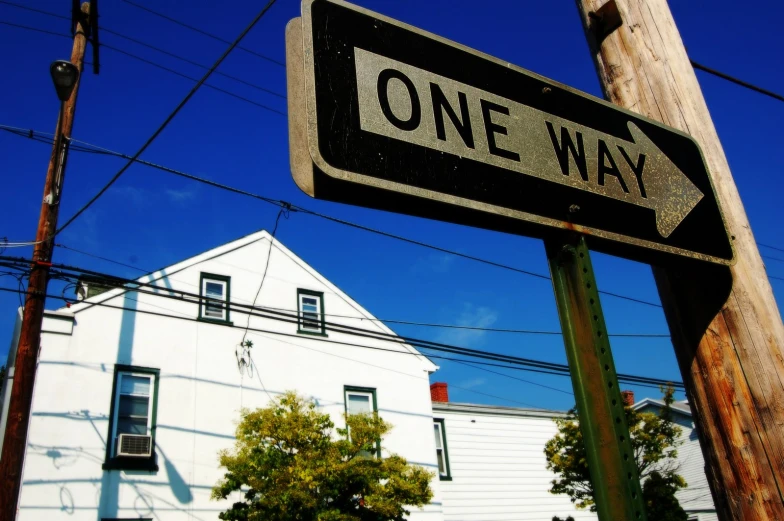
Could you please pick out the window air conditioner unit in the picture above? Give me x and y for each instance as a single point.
(134, 446)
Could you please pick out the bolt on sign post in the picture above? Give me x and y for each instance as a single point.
(384, 115)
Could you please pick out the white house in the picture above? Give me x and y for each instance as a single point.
(696, 499)
(492, 464)
(122, 373)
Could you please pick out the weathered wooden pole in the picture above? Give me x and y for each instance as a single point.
(725, 325)
(25, 366)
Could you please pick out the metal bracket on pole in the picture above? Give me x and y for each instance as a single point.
(611, 461)
(605, 20)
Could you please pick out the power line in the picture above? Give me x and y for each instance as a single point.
(771, 257)
(292, 207)
(392, 320)
(300, 346)
(453, 386)
(40, 11)
(515, 378)
(103, 258)
(281, 212)
(168, 119)
(177, 73)
(205, 33)
(694, 64)
(180, 295)
(736, 80)
(44, 31)
(771, 247)
(458, 254)
(149, 46)
(563, 370)
(166, 69)
(194, 63)
(10, 290)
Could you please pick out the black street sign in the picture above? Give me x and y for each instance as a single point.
(388, 116)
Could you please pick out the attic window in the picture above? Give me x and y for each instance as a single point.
(310, 310)
(215, 292)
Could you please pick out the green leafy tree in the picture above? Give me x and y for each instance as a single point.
(289, 466)
(654, 440)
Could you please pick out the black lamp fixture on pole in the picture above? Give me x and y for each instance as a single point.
(64, 75)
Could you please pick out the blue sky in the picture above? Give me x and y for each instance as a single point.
(150, 219)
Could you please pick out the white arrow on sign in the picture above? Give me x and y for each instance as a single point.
(416, 106)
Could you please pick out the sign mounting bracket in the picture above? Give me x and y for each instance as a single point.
(605, 20)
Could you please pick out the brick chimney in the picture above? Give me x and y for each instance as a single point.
(439, 392)
(626, 396)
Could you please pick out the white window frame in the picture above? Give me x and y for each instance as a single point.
(306, 326)
(360, 393)
(118, 394)
(446, 474)
(224, 310)
(370, 393)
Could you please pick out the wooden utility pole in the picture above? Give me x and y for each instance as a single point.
(725, 325)
(15, 441)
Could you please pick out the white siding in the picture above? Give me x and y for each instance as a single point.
(201, 390)
(696, 498)
(498, 468)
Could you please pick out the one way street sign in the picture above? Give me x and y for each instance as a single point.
(403, 120)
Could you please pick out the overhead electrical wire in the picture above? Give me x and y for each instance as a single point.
(391, 320)
(300, 346)
(771, 257)
(736, 80)
(129, 309)
(771, 247)
(508, 364)
(203, 32)
(95, 149)
(168, 69)
(161, 291)
(105, 29)
(293, 207)
(694, 63)
(191, 78)
(82, 252)
(281, 213)
(168, 119)
(469, 364)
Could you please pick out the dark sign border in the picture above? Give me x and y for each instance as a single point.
(480, 203)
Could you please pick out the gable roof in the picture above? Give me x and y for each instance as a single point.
(679, 407)
(496, 410)
(168, 272)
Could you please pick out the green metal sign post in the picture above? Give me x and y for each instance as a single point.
(611, 461)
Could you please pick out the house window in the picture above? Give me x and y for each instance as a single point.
(310, 310)
(132, 419)
(361, 400)
(441, 451)
(215, 293)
